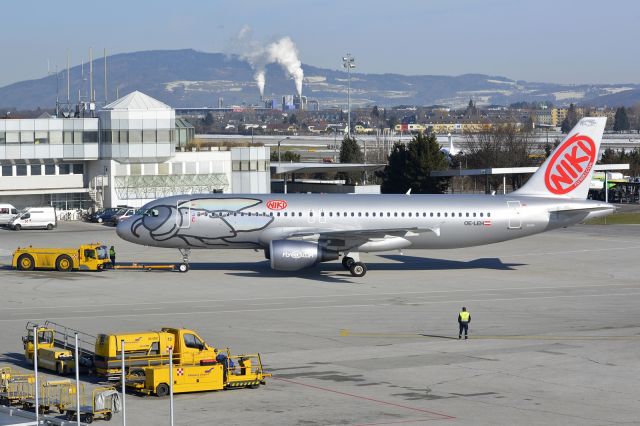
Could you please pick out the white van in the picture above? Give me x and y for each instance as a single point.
(7, 212)
(35, 217)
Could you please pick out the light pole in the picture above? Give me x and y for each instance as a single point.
(279, 159)
(348, 62)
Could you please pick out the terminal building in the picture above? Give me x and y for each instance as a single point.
(134, 151)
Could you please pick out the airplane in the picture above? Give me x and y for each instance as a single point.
(298, 231)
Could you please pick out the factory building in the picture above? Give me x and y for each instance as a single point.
(133, 152)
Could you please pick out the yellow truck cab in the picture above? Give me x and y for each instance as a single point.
(88, 257)
(148, 348)
(49, 357)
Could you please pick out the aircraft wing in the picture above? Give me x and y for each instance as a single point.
(347, 238)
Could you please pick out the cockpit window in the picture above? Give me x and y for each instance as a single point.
(148, 212)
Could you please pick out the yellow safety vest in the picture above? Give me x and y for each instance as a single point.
(464, 316)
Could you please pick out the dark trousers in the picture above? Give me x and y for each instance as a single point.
(464, 326)
(113, 260)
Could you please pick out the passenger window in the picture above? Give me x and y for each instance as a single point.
(481, 214)
(474, 214)
(271, 214)
(278, 213)
(395, 214)
(330, 214)
(488, 214)
(388, 214)
(310, 214)
(409, 214)
(359, 214)
(367, 214)
(460, 214)
(467, 214)
(446, 214)
(321, 213)
(300, 214)
(431, 214)
(438, 214)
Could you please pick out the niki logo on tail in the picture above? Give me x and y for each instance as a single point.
(571, 164)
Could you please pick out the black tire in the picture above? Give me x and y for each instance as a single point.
(358, 269)
(183, 267)
(64, 263)
(347, 262)
(70, 415)
(26, 262)
(162, 390)
(49, 227)
(17, 227)
(88, 418)
(108, 416)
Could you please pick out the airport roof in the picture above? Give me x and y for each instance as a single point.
(289, 168)
(514, 170)
(137, 101)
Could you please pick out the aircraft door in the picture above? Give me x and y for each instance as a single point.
(322, 218)
(515, 221)
(183, 214)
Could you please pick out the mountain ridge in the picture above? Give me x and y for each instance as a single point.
(190, 78)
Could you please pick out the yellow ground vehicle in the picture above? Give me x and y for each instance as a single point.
(239, 371)
(148, 348)
(49, 356)
(88, 257)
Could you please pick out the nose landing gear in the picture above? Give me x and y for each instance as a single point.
(184, 266)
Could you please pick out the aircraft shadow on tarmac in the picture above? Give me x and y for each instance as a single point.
(402, 263)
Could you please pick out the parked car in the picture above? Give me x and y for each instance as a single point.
(100, 215)
(121, 214)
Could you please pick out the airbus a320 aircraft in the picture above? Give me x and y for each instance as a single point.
(298, 231)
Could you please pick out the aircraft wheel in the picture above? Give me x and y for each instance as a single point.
(347, 262)
(25, 262)
(64, 263)
(183, 267)
(358, 269)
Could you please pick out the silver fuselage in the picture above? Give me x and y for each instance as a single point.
(432, 221)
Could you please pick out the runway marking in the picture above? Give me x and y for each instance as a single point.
(366, 398)
(348, 333)
(227, 311)
(341, 295)
(554, 253)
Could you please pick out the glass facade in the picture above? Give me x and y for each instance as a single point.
(70, 201)
(43, 131)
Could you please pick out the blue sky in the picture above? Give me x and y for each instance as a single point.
(560, 41)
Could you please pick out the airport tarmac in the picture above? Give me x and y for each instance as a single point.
(555, 331)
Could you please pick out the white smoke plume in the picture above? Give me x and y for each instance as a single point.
(282, 52)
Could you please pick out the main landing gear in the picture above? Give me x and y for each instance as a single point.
(353, 265)
(184, 266)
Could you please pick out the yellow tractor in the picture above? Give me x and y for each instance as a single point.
(88, 257)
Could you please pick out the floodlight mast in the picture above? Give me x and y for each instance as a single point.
(348, 62)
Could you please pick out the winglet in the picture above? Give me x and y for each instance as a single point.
(568, 170)
(408, 192)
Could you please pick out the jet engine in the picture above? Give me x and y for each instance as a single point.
(292, 255)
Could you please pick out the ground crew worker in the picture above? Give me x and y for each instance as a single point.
(112, 256)
(464, 318)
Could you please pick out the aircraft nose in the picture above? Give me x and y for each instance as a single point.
(123, 229)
